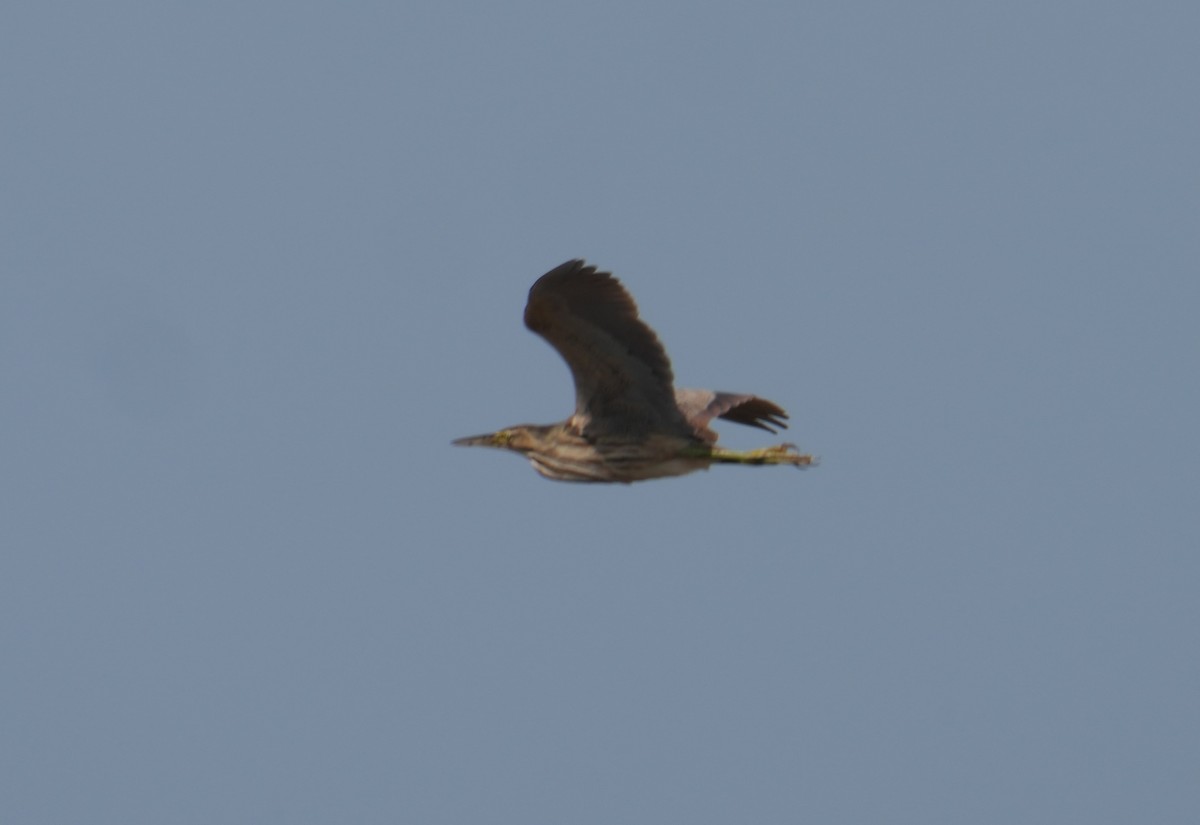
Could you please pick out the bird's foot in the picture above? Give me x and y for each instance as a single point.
(778, 454)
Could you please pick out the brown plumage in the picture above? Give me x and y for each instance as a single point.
(630, 422)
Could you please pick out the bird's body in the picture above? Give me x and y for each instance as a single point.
(630, 422)
(559, 452)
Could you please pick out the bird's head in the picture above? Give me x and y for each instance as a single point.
(521, 438)
(554, 450)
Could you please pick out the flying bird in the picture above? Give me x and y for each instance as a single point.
(630, 422)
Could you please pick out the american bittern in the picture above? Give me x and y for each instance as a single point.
(630, 423)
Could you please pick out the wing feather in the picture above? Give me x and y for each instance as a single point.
(623, 379)
(700, 407)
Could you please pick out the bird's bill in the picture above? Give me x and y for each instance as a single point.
(499, 439)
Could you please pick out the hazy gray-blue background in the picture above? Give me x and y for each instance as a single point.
(263, 261)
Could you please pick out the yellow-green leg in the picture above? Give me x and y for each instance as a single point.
(779, 454)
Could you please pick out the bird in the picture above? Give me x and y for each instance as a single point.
(630, 422)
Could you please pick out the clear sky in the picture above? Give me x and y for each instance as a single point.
(261, 262)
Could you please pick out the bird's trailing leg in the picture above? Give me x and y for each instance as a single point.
(779, 454)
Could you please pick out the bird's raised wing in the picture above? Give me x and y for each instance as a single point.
(623, 380)
(701, 406)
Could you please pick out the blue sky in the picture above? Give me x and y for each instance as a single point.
(262, 262)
